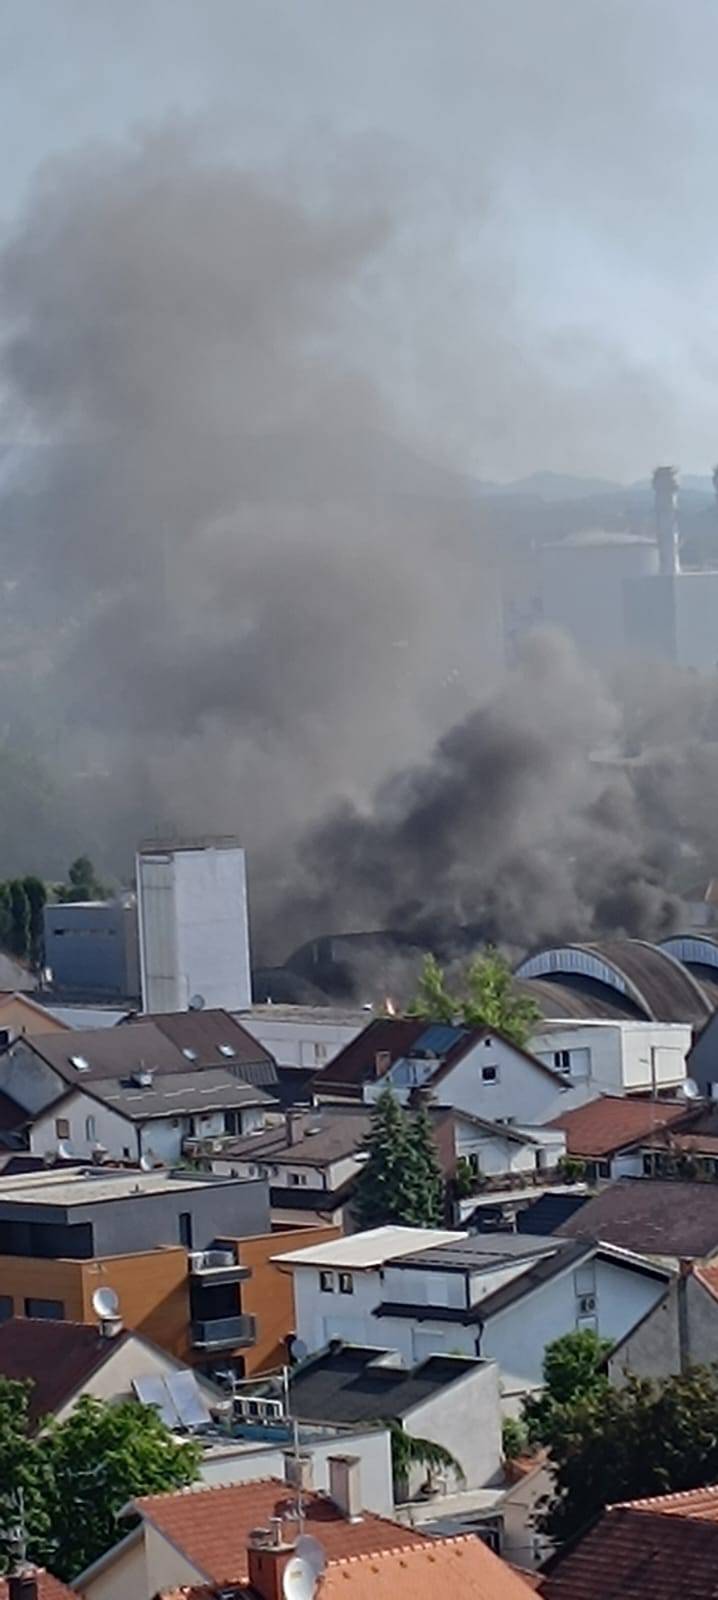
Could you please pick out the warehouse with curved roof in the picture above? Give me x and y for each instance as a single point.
(637, 979)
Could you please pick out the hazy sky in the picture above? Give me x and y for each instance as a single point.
(551, 290)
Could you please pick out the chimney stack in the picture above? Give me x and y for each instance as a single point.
(345, 1485)
(294, 1127)
(298, 1469)
(268, 1551)
(665, 497)
(22, 1582)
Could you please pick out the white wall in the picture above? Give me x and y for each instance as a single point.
(116, 1133)
(321, 1317)
(518, 1336)
(194, 931)
(230, 1465)
(465, 1418)
(305, 1042)
(132, 1358)
(618, 1054)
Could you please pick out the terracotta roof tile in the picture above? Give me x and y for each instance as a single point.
(698, 1505)
(48, 1588)
(605, 1125)
(211, 1525)
(463, 1567)
(638, 1553)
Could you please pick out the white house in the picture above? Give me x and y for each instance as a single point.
(147, 1116)
(303, 1036)
(494, 1295)
(614, 1057)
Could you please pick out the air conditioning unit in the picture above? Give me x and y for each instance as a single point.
(587, 1305)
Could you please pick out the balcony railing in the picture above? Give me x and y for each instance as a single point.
(221, 1333)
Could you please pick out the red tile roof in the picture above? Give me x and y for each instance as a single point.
(610, 1123)
(650, 1550)
(48, 1588)
(211, 1525)
(463, 1567)
(707, 1275)
(698, 1505)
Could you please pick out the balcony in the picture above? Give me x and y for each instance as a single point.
(217, 1266)
(224, 1333)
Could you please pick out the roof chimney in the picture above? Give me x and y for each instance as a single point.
(665, 495)
(345, 1485)
(268, 1551)
(22, 1582)
(298, 1470)
(294, 1127)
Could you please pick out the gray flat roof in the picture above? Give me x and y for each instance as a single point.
(480, 1250)
(85, 1186)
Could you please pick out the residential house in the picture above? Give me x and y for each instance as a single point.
(20, 1014)
(499, 1296)
(642, 1550)
(686, 1149)
(680, 1331)
(602, 1056)
(188, 1255)
(303, 1036)
(34, 1583)
(66, 1360)
(213, 1038)
(311, 1159)
(148, 1116)
(474, 1070)
(666, 1219)
(452, 1400)
(242, 1537)
(610, 1135)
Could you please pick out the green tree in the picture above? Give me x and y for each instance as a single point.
(75, 1476)
(573, 1370)
(19, 919)
(514, 1438)
(425, 1183)
(36, 896)
(486, 997)
(647, 1438)
(408, 1452)
(82, 883)
(383, 1192)
(101, 1457)
(5, 916)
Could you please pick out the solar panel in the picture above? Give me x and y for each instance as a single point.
(189, 1400)
(152, 1390)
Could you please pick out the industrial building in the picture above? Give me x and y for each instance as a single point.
(91, 950)
(193, 925)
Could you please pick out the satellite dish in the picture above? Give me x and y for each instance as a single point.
(299, 1580)
(688, 1089)
(64, 1150)
(197, 1002)
(312, 1552)
(105, 1304)
(147, 1162)
(298, 1349)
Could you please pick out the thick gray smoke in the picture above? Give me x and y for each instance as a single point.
(233, 592)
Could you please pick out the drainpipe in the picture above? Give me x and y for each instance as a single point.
(685, 1269)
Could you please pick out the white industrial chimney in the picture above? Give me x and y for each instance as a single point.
(193, 925)
(665, 495)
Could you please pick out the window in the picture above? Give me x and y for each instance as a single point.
(297, 1178)
(79, 1063)
(326, 1282)
(185, 1229)
(62, 1128)
(473, 1162)
(562, 1060)
(490, 1074)
(90, 1129)
(346, 1283)
(5, 1038)
(49, 1310)
(7, 1307)
(320, 1052)
(227, 1050)
(126, 1151)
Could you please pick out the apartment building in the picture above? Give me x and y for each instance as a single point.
(187, 1255)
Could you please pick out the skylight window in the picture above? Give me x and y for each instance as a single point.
(226, 1050)
(189, 1055)
(80, 1063)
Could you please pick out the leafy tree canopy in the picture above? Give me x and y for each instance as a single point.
(83, 883)
(484, 998)
(573, 1369)
(400, 1182)
(77, 1475)
(648, 1438)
